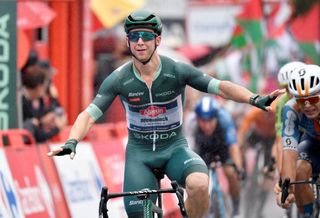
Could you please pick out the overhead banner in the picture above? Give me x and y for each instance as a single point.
(8, 35)
(211, 24)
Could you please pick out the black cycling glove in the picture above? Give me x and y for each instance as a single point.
(261, 101)
(68, 147)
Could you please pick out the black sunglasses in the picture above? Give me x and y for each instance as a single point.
(144, 35)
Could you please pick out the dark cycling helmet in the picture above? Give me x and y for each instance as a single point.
(143, 19)
(207, 108)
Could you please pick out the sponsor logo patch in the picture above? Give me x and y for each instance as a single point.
(153, 111)
(134, 99)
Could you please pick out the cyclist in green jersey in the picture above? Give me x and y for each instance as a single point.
(151, 88)
(283, 79)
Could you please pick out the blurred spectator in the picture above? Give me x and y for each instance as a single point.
(42, 114)
(32, 60)
(46, 65)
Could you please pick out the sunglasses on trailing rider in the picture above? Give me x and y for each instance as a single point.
(144, 35)
(312, 100)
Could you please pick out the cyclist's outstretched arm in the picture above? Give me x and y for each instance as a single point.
(78, 131)
(232, 91)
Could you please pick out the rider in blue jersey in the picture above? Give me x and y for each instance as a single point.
(301, 153)
(212, 134)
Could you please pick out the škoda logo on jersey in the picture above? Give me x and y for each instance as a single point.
(153, 111)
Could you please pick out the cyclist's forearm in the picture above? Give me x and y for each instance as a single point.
(234, 92)
(236, 156)
(81, 126)
(289, 164)
(279, 155)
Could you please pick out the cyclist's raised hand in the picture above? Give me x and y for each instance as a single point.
(68, 148)
(264, 102)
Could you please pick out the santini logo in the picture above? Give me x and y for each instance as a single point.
(135, 94)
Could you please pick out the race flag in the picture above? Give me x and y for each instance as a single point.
(111, 12)
(250, 19)
(305, 30)
(238, 39)
(277, 19)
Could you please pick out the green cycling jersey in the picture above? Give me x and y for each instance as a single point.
(154, 114)
(282, 101)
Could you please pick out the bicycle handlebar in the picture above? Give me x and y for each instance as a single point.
(286, 184)
(285, 190)
(175, 189)
(103, 210)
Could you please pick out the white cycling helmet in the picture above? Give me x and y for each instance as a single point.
(305, 81)
(286, 70)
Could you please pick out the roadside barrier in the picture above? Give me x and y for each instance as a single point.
(30, 194)
(32, 185)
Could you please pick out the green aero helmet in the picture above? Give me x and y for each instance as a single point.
(143, 19)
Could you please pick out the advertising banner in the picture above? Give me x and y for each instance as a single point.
(81, 180)
(30, 182)
(60, 203)
(211, 24)
(9, 201)
(8, 71)
(110, 155)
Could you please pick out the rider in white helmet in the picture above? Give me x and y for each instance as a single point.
(286, 70)
(304, 82)
(301, 149)
(283, 78)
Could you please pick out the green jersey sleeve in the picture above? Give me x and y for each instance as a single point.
(197, 79)
(106, 94)
(278, 125)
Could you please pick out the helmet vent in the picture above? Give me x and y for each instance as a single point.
(311, 81)
(294, 84)
(151, 16)
(317, 81)
(302, 83)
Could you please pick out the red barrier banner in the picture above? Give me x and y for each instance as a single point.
(170, 201)
(30, 182)
(9, 200)
(81, 180)
(60, 203)
(110, 156)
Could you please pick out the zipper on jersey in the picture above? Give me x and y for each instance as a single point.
(154, 132)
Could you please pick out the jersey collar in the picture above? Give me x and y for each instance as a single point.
(136, 73)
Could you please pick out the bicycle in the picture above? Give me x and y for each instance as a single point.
(218, 206)
(149, 207)
(314, 181)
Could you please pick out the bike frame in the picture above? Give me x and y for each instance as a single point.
(216, 195)
(148, 206)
